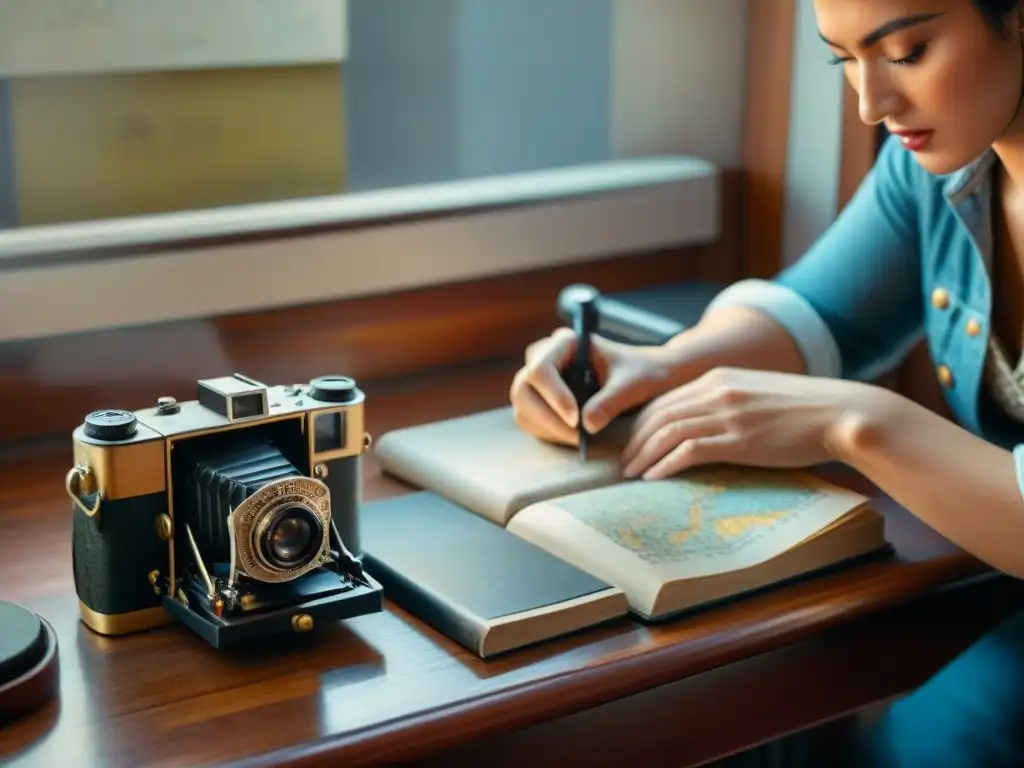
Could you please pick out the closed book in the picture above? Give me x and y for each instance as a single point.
(485, 588)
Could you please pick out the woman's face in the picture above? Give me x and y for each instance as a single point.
(933, 71)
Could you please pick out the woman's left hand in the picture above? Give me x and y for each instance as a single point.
(748, 417)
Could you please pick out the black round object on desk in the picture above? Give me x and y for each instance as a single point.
(29, 668)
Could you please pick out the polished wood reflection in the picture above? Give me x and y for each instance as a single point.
(386, 687)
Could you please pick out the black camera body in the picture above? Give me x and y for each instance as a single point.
(236, 513)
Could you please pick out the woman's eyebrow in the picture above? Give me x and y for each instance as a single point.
(895, 25)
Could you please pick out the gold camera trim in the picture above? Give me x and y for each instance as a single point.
(357, 440)
(79, 482)
(249, 520)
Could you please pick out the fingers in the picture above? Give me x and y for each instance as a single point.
(667, 440)
(612, 399)
(543, 374)
(691, 392)
(713, 449)
(534, 415)
(557, 349)
(622, 389)
(536, 348)
(670, 426)
(622, 380)
(682, 404)
(542, 402)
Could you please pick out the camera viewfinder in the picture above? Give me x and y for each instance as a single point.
(329, 431)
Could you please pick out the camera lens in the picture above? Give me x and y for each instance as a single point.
(292, 539)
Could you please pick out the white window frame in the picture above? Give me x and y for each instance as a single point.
(74, 277)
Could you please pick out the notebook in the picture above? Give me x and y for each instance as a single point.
(483, 587)
(709, 534)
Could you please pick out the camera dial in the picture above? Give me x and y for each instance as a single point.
(333, 389)
(111, 425)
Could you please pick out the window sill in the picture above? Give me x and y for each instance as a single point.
(147, 269)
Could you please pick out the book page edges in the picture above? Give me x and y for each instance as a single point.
(489, 637)
(517, 630)
(546, 525)
(853, 536)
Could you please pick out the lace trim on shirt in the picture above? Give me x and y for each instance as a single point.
(1005, 383)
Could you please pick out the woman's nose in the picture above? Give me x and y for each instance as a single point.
(877, 97)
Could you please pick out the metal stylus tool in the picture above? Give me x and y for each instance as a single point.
(582, 380)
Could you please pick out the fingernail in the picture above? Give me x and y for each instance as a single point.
(572, 418)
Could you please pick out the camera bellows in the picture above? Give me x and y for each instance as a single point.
(239, 490)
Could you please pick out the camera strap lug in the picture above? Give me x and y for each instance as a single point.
(81, 481)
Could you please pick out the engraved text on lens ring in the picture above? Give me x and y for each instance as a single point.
(308, 489)
(298, 491)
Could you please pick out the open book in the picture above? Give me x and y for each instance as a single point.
(709, 534)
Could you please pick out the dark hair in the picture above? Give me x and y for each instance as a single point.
(995, 11)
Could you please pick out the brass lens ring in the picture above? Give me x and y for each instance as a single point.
(254, 518)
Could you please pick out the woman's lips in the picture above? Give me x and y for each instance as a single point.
(915, 141)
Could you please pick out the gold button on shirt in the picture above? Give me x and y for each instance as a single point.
(973, 327)
(945, 376)
(940, 298)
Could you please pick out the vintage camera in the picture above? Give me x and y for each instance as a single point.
(236, 513)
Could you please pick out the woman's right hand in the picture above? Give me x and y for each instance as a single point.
(627, 376)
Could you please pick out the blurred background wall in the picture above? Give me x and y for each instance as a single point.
(398, 93)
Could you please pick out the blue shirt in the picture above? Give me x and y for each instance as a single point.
(909, 257)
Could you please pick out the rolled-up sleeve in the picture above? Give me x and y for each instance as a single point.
(853, 303)
(1018, 461)
(794, 313)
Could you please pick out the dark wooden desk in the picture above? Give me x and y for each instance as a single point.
(385, 687)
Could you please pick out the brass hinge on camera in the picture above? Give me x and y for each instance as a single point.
(81, 481)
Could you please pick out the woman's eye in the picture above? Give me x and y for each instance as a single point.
(913, 57)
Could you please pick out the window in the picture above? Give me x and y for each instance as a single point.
(128, 111)
(568, 128)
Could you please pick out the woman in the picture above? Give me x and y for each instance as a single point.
(775, 373)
